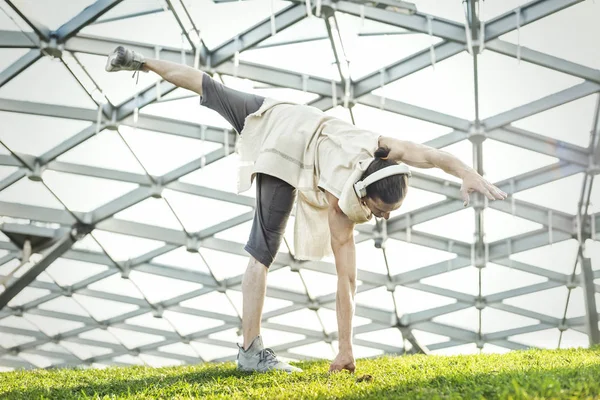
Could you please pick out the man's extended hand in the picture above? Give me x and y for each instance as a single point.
(474, 182)
(343, 361)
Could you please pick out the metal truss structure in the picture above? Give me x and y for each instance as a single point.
(52, 232)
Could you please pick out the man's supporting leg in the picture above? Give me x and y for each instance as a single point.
(254, 290)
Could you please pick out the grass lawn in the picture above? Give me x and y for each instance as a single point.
(532, 374)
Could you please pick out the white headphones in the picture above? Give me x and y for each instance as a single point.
(360, 187)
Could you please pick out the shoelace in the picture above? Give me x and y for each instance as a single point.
(138, 76)
(267, 354)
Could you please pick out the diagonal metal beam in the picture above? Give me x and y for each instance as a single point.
(544, 60)
(530, 12)
(41, 30)
(84, 18)
(541, 144)
(543, 104)
(261, 31)
(49, 256)
(19, 66)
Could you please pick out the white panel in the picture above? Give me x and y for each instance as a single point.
(416, 199)
(464, 280)
(18, 322)
(390, 336)
(29, 193)
(210, 352)
(286, 279)
(132, 340)
(378, 298)
(224, 265)
(411, 301)
(83, 193)
(83, 351)
(329, 319)
(319, 350)
(149, 321)
(161, 153)
(319, 284)
(569, 34)
(49, 14)
(558, 257)
(428, 338)
(497, 278)
(466, 319)
(197, 213)
(502, 161)
(9, 56)
(47, 81)
(447, 10)
(52, 326)
(124, 247)
(369, 258)
(169, 287)
(136, 30)
(102, 309)
(179, 348)
(159, 210)
(240, 233)
(27, 295)
(459, 225)
(403, 257)
(504, 83)
(549, 302)
(546, 339)
(493, 320)
(181, 258)
(302, 319)
(573, 338)
(99, 334)
(67, 272)
(64, 304)
(35, 135)
(187, 324)
(117, 285)
(8, 341)
(570, 122)
(273, 337)
(500, 225)
(448, 88)
(271, 304)
(213, 301)
(562, 195)
(493, 349)
(221, 174)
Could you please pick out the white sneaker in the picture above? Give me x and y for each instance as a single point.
(257, 358)
(122, 59)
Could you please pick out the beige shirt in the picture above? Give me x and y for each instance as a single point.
(311, 151)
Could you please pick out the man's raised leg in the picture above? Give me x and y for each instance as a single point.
(122, 59)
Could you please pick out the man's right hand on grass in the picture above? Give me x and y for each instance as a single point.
(343, 361)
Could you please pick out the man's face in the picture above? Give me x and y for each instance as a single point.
(379, 208)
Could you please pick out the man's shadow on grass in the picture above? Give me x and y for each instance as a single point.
(576, 381)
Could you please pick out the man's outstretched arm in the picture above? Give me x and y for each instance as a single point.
(422, 156)
(342, 243)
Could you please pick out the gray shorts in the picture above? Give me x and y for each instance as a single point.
(274, 197)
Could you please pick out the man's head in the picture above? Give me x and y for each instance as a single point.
(387, 194)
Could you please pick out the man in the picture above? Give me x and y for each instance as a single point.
(297, 151)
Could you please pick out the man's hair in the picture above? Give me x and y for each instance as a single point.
(390, 189)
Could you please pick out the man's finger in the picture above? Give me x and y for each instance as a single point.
(465, 197)
(496, 192)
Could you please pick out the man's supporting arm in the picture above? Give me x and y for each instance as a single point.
(342, 243)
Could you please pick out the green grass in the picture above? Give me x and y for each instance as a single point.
(532, 374)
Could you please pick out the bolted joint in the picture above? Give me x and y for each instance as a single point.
(80, 230)
(53, 48)
(328, 339)
(391, 286)
(126, 269)
(192, 245)
(56, 339)
(571, 283)
(67, 291)
(562, 327)
(158, 311)
(36, 174)
(295, 266)
(103, 325)
(403, 322)
(134, 352)
(477, 134)
(18, 312)
(480, 344)
(157, 189)
(480, 303)
(222, 288)
(314, 305)
(185, 340)
(15, 351)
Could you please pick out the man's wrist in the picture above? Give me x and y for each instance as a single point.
(345, 348)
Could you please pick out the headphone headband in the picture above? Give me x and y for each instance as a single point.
(360, 187)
